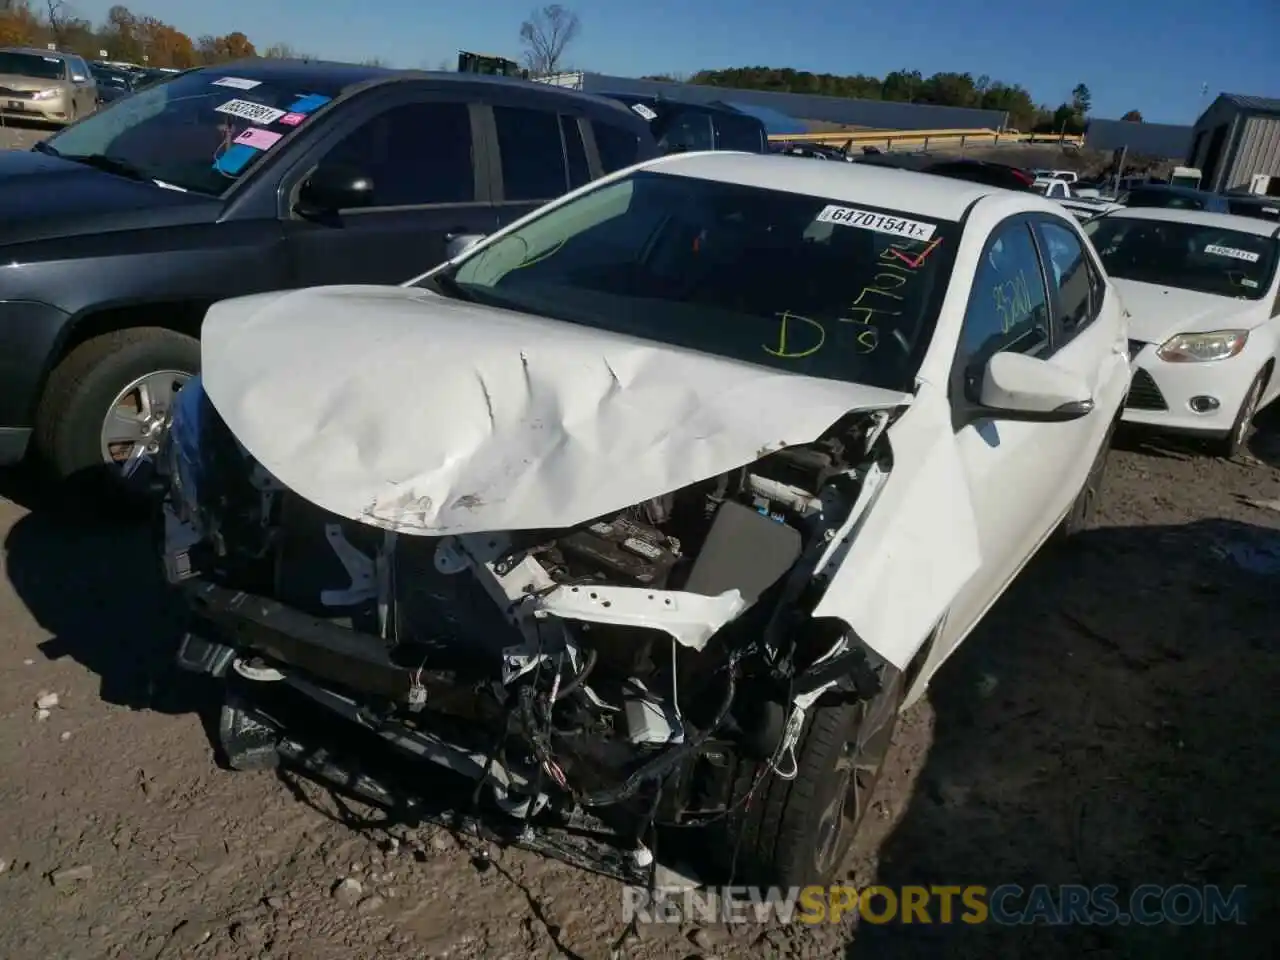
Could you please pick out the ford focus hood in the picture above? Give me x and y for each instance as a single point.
(425, 415)
(1158, 312)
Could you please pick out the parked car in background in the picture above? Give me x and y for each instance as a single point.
(1204, 293)
(1265, 208)
(1068, 176)
(112, 83)
(1173, 198)
(261, 175)
(812, 151)
(978, 171)
(655, 531)
(687, 127)
(46, 86)
(1052, 187)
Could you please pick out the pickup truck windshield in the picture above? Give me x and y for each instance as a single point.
(1189, 256)
(200, 131)
(802, 284)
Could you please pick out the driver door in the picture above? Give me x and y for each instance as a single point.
(1014, 470)
(426, 161)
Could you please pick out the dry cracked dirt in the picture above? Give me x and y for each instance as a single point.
(1114, 720)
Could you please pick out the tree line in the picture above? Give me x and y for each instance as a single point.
(911, 86)
(125, 35)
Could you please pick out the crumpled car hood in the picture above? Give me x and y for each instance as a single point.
(1158, 312)
(425, 415)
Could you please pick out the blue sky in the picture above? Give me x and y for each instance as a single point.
(1149, 55)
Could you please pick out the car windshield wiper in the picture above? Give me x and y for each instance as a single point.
(101, 161)
(42, 147)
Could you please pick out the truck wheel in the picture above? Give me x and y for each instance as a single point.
(108, 403)
(797, 832)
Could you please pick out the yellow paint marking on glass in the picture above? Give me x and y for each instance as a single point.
(783, 351)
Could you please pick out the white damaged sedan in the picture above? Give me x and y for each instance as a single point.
(1204, 293)
(651, 510)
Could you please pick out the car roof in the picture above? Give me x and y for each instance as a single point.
(1225, 221)
(33, 51)
(1172, 188)
(916, 193)
(350, 75)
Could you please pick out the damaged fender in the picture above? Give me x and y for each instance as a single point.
(915, 545)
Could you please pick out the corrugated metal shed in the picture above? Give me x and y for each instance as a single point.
(1253, 104)
(1236, 137)
(1165, 140)
(877, 114)
(1256, 151)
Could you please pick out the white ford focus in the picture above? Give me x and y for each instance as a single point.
(655, 507)
(1204, 293)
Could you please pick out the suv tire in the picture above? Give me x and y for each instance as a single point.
(80, 393)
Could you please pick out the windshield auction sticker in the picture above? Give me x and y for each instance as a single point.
(866, 220)
(248, 110)
(239, 83)
(1248, 256)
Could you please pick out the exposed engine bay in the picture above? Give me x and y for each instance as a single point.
(630, 668)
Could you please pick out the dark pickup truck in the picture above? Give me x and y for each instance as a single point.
(118, 232)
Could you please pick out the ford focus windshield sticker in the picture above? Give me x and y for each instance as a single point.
(644, 111)
(866, 220)
(248, 110)
(1247, 256)
(239, 83)
(293, 119)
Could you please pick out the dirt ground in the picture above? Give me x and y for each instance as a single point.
(1113, 721)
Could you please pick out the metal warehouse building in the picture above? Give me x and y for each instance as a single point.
(1237, 137)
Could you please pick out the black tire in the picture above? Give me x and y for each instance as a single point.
(1085, 505)
(1242, 426)
(798, 832)
(79, 394)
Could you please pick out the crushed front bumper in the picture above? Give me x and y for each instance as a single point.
(318, 661)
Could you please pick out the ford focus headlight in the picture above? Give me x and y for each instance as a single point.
(1203, 347)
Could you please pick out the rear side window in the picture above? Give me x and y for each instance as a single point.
(575, 153)
(416, 154)
(687, 131)
(533, 160)
(735, 132)
(618, 148)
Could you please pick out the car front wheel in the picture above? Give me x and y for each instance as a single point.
(1234, 442)
(798, 831)
(107, 406)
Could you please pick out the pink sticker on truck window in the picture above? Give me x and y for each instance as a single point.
(292, 119)
(258, 139)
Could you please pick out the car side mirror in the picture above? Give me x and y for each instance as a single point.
(330, 189)
(1020, 387)
(456, 244)
(79, 78)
